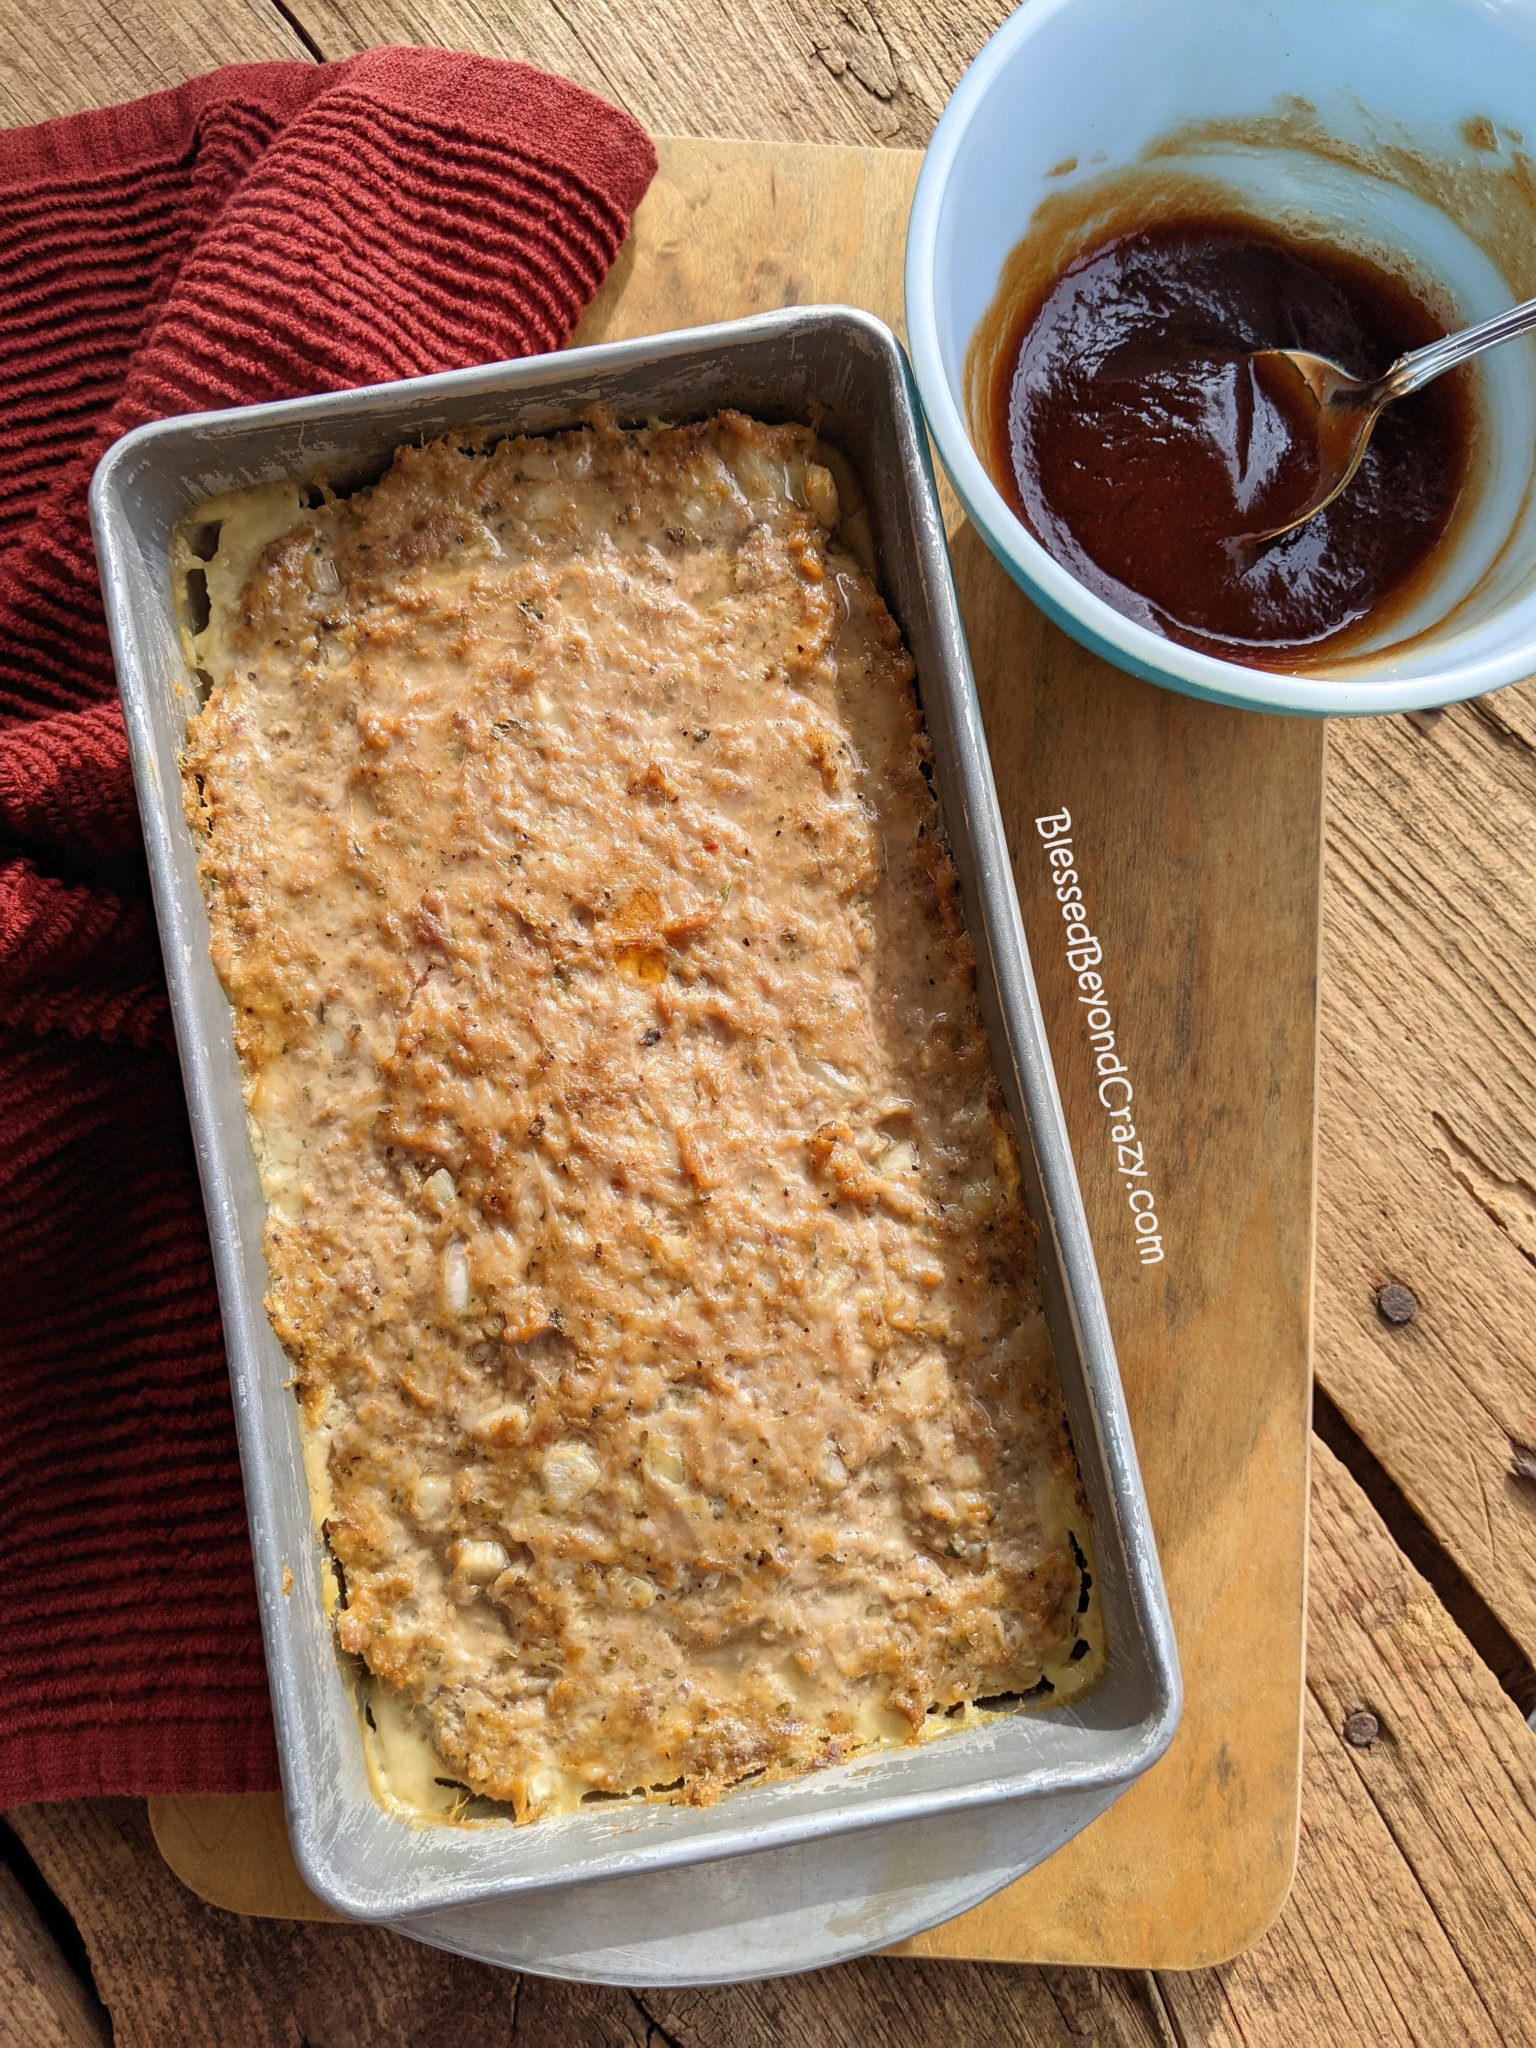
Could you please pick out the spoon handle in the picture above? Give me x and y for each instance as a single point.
(1412, 372)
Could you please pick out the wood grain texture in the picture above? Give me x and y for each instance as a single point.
(173, 1971)
(1453, 1771)
(42, 2002)
(60, 59)
(1198, 832)
(232, 1848)
(885, 2004)
(1412, 1919)
(1357, 1957)
(1427, 1165)
(800, 70)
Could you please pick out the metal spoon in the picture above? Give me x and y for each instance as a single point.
(1347, 409)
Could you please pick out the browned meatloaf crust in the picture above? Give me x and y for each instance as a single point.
(644, 1220)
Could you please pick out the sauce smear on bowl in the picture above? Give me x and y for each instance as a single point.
(1134, 437)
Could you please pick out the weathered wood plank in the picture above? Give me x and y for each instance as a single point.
(902, 2004)
(1357, 1959)
(800, 70)
(1428, 1129)
(175, 1973)
(1453, 1770)
(60, 59)
(43, 2004)
(1413, 1915)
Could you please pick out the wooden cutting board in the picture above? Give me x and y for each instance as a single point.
(1197, 834)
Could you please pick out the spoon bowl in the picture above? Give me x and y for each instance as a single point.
(1332, 415)
(1336, 413)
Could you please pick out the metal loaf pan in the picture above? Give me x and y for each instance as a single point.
(819, 1867)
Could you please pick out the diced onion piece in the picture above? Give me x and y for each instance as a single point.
(456, 1277)
(633, 1589)
(664, 1461)
(431, 1499)
(439, 1189)
(922, 1387)
(570, 1470)
(830, 1469)
(479, 1562)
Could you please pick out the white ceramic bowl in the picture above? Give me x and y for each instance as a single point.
(1423, 107)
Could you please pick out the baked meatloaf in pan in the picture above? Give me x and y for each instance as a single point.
(636, 1180)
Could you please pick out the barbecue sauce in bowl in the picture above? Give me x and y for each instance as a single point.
(1133, 436)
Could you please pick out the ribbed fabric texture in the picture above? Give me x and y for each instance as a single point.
(267, 230)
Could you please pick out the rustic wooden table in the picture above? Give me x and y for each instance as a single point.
(1413, 1915)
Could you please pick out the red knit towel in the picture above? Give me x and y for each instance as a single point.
(267, 230)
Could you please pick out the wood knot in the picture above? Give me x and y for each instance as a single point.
(1395, 1304)
(1361, 1728)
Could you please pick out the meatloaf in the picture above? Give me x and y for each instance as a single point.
(644, 1220)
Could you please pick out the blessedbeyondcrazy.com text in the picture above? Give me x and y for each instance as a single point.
(1085, 956)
